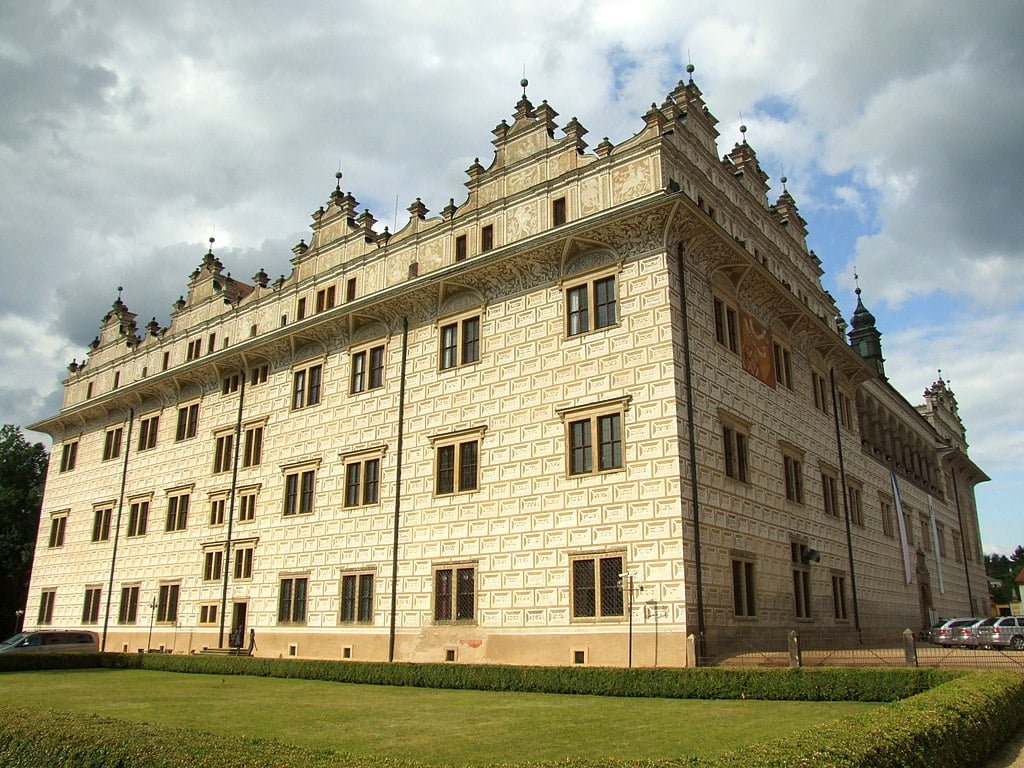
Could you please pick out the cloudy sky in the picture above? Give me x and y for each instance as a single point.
(131, 132)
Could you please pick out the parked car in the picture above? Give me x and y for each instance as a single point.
(1002, 631)
(51, 641)
(958, 631)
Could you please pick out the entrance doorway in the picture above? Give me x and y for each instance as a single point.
(238, 614)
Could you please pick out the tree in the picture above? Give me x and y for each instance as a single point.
(22, 476)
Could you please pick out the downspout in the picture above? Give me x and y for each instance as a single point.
(963, 539)
(231, 511)
(846, 498)
(117, 526)
(398, 491)
(694, 499)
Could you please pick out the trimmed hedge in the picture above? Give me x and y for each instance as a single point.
(934, 718)
(806, 684)
(958, 724)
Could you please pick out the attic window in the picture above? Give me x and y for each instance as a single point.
(167, 361)
(460, 248)
(300, 310)
(117, 379)
(414, 269)
(350, 289)
(558, 212)
(212, 344)
(88, 391)
(487, 238)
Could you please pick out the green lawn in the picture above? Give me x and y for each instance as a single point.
(428, 725)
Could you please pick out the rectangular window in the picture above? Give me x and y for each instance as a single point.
(926, 534)
(604, 454)
(223, 453)
(300, 309)
(888, 521)
(839, 597)
(558, 212)
(486, 238)
(325, 299)
(112, 444)
(212, 344)
(101, 523)
(455, 594)
(217, 507)
(298, 492)
(350, 289)
(117, 379)
(166, 361)
(357, 597)
(726, 325)
(744, 597)
(188, 422)
(846, 411)
(457, 467)
(306, 386)
(597, 587)
(856, 504)
(793, 471)
(259, 374)
(208, 613)
(460, 342)
(820, 391)
(58, 524)
(362, 482)
(194, 350)
(908, 524)
(460, 248)
(291, 605)
(167, 603)
(247, 506)
(734, 443)
(91, 605)
(213, 563)
(957, 548)
(177, 513)
(243, 563)
(230, 384)
(801, 580)
(591, 306)
(138, 517)
(68, 456)
(940, 537)
(147, 432)
(783, 365)
(368, 369)
(253, 455)
(830, 491)
(46, 600)
(128, 611)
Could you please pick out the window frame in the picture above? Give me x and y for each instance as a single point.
(91, 605)
(819, 391)
(735, 448)
(782, 357)
(465, 461)
(247, 509)
(486, 238)
(223, 452)
(47, 599)
(242, 557)
(726, 321)
(367, 364)
(325, 298)
(213, 563)
(112, 439)
(793, 474)
(259, 374)
(855, 500)
(307, 384)
(590, 456)
(296, 615)
(803, 607)
(252, 443)
(68, 455)
(449, 610)
(101, 522)
(356, 467)
(178, 503)
(299, 490)
(594, 314)
(595, 602)
(355, 606)
(187, 426)
(148, 427)
(168, 602)
(128, 606)
(461, 247)
(840, 608)
(58, 529)
(744, 585)
(457, 348)
(831, 497)
(888, 513)
(559, 211)
(139, 508)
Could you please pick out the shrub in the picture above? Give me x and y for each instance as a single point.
(817, 684)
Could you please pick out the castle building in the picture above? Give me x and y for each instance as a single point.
(603, 404)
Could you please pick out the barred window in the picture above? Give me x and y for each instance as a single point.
(357, 597)
(597, 587)
(455, 594)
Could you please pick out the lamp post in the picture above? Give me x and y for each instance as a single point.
(653, 609)
(19, 615)
(627, 586)
(152, 613)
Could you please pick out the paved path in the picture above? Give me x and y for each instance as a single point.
(1011, 755)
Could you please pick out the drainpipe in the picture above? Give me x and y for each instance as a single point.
(231, 511)
(694, 500)
(398, 491)
(846, 498)
(963, 539)
(117, 525)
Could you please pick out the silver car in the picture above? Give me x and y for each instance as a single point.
(1002, 631)
(954, 631)
(51, 641)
